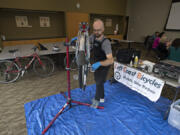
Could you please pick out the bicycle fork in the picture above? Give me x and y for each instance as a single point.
(23, 70)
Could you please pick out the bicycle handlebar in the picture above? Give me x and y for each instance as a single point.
(35, 48)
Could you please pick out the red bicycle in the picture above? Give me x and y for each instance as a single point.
(10, 71)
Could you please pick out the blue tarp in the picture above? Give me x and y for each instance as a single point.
(125, 113)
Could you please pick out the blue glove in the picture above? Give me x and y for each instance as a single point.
(73, 39)
(96, 66)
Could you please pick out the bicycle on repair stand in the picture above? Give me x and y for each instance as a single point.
(83, 53)
(10, 71)
(81, 60)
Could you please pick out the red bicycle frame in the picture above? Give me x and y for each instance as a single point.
(34, 56)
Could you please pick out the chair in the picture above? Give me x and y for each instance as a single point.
(149, 44)
(157, 55)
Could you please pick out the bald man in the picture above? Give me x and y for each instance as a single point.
(103, 59)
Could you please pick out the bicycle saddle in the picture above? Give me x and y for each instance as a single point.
(13, 51)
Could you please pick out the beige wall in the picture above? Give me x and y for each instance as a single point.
(11, 32)
(88, 6)
(33, 11)
(146, 17)
(116, 19)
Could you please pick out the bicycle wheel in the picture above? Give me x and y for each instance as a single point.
(9, 71)
(44, 67)
(80, 73)
(72, 63)
(83, 70)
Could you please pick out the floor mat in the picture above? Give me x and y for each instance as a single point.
(125, 113)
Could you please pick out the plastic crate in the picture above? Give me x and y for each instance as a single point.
(174, 115)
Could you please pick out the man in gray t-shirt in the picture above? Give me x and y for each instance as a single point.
(106, 44)
(103, 59)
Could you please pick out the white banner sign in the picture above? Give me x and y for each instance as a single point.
(147, 85)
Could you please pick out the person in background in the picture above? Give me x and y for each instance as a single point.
(157, 40)
(149, 40)
(163, 48)
(101, 49)
(174, 50)
(155, 35)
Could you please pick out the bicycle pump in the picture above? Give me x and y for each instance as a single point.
(69, 100)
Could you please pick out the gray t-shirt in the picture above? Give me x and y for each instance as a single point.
(106, 45)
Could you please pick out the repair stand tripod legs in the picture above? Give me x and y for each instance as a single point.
(69, 100)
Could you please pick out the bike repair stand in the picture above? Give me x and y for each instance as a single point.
(69, 100)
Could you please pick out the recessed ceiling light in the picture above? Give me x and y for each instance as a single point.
(78, 5)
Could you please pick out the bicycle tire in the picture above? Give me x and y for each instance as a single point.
(85, 76)
(80, 76)
(46, 68)
(83, 70)
(9, 71)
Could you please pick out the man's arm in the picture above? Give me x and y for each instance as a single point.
(108, 61)
(106, 46)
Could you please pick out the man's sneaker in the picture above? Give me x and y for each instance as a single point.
(102, 100)
(95, 103)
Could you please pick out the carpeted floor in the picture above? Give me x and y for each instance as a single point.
(13, 96)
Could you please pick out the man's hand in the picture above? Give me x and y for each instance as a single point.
(73, 41)
(96, 66)
(106, 62)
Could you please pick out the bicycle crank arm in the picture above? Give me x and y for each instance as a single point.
(22, 73)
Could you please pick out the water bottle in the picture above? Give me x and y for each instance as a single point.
(75, 77)
(136, 62)
(132, 58)
(131, 63)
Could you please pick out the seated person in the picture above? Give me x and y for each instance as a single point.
(150, 39)
(157, 40)
(163, 50)
(155, 35)
(174, 50)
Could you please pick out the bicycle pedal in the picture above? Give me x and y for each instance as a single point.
(22, 73)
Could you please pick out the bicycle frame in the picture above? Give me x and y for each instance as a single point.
(82, 43)
(83, 53)
(34, 56)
